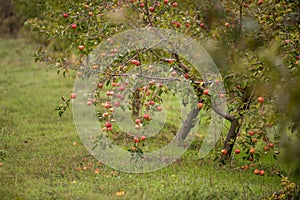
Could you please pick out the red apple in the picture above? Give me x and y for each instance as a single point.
(80, 47)
(251, 132)
(227, 25)
(202, 25)
(262, 172)
(224, 151)
(187, 25)
(143, 138)
(173, 73)
(117, 104)
(252, 151)
(142, 5)
(106, 114)
(271, 145)
(166, 1)
(260, 99)
(109, 93)
(90, 13)
(206, 92)
(175, 4)
(147, 117)
(136, 139)
(151, 9)
(256, 171)
(65, 15)
(260, 2)
(170, 60)
(73, 95)
(108, 124)
(158, 108)
(73, 26)
(100, 85)
(246, 5)
(187, 76)
(237, 151)
(151, 103)
(89, 103)
(266, 148)
(138, 121)
(137, 126)
(200, 105)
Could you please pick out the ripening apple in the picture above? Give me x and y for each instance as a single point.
(260, 99)
(109, 93)
(100, 85)
(224, 151)
(117, 104)
(266, 148)
(246, 5)
(97, 170)
(251, 132)
(173, 73)
(107, 105)
(227, 25)
(121, 88)
(187, 25)
(260, 2)
(137, 126)
(252, 151)
(114, 84)
(166, 1)
(89, 103)
(108, 124)
(202, 25)
(143, 138)
(79, 74)
(73, 26)
(90, 14)
(136, 139)
(206, 92)
(138, 121)
(106, 114)
(200, 105)
(158, 108)
(73, 95)
(262, 172)
(151, 103)
(80, 47)
(237, 151)
(175, 4)
(256, 171)
(151, 8)
(151, 82)
(147, 117)
(142, 5)
(271, 145)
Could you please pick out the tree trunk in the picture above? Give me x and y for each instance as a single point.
(230, 139)
(188, 124)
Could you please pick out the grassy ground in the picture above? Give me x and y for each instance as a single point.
(41, 162)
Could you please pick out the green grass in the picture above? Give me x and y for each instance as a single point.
(40, 160)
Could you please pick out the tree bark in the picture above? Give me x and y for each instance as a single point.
(188, 124)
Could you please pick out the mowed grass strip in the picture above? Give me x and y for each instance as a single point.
(41, 162)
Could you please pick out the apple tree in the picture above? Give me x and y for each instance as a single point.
(255, 45)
